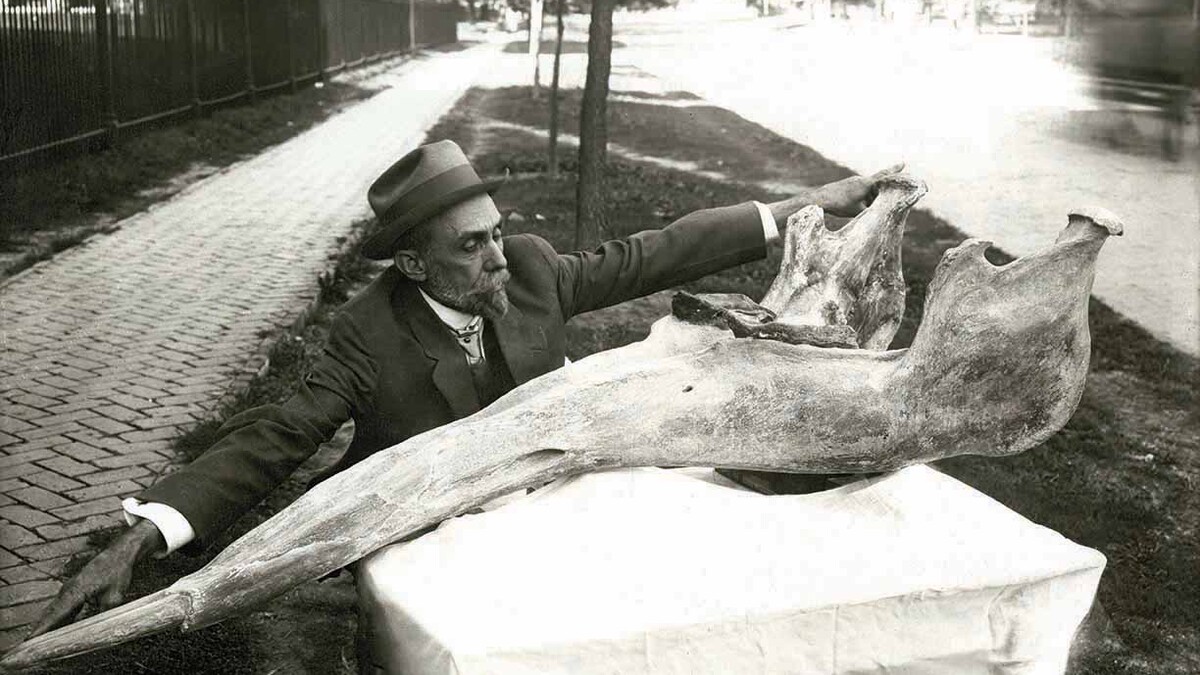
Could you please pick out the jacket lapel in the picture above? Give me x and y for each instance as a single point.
(523, 343)
(451, 375)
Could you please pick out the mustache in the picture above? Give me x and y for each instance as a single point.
(492, 282)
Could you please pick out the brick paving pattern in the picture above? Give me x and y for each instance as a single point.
(115, 347)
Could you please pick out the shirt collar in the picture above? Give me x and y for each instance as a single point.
(456, 319)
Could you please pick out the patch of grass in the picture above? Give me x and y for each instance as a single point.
(675, 127)
(1120, 477)
(1092, 482)
(49, 207)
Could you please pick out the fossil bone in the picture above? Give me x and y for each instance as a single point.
(834, 289)
(997, 365)
(850, 277)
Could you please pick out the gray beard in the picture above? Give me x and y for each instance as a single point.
(486, 297)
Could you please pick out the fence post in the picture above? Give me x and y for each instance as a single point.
(104, 62)
(291, 50)
(193, 61)
(249, 47)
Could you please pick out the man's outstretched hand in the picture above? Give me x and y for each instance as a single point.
(105, 578)
(846, 198)
(849, 196)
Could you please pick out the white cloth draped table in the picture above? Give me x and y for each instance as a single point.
(648, 570)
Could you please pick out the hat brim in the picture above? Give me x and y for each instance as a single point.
(382, 244)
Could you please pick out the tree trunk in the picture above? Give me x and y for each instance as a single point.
(535, 43)
(552, 154)
(1072, 19)
(593, 131)
(412, 25)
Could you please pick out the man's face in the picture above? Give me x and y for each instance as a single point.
(464, 262)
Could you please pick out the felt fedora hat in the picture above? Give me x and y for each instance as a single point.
(422, 184)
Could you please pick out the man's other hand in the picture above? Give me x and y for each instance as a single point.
(105, 578)
(849, 196)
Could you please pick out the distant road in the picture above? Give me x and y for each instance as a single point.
(992, 123)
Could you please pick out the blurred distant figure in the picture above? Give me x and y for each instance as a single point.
(1145, 55)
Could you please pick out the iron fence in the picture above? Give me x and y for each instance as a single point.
(75, 70)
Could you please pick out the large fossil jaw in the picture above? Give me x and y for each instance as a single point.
(997, 365)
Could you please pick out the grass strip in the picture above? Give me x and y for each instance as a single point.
(51, 206)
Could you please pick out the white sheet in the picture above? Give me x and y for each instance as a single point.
(639, 571)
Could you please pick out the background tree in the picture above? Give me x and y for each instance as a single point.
(412, 26)
(536, 8)
(590, 217)
(590, 221)
(552, 153)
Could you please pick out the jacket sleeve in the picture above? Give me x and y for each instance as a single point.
(259, 448)
(700, 243)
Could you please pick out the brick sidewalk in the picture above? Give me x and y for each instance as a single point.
(117, 346)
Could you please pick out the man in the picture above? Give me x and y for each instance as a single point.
(463, 316)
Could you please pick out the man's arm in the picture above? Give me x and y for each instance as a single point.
(698, 244)
(258, 449)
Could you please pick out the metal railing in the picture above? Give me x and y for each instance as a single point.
(76, 70)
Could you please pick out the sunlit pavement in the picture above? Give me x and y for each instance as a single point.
(990, 122)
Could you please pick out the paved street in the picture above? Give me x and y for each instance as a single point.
(115, 347)
(992, 123)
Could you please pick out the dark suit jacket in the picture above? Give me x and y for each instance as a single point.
(392, 366)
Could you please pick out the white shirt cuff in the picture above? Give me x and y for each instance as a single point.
(770, 229)
(175, 529)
